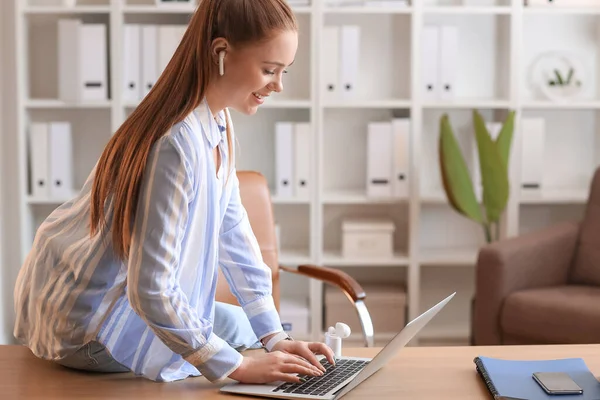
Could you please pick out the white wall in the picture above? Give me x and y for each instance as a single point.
(9, 245)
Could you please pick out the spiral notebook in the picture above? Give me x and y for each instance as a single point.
(512, 379)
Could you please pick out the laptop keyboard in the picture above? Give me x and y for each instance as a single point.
(320, 385)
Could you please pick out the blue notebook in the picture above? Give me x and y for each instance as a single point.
(512, 379)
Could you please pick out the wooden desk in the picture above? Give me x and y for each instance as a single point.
(415, 373)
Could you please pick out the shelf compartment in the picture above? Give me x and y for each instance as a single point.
(482, 64)
(333, 217)
(574, 36)
(346, 170)
(42, 66)
(379, 34)
(256, 137)
(90, 132)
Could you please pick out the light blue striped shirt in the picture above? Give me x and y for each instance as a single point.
(154, 312)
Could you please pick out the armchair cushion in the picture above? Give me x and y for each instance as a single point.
(559, 314)
(586, 266)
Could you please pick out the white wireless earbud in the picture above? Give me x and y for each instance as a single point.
(342, 330)
(221, 67)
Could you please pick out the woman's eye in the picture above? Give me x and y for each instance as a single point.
(269, 72)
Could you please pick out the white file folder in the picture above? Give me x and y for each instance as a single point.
(350, 58)
(149, 57)
(132, 52)
(93, 62)
(69, 56)
(284, 159)
(379, 159)
(532, 152)
(430, 57)
(61, 159)
(330, 61)
(401, 156)
(448, 62)
(38, 147)
(494, 129)
(302, 141)
(169, 37)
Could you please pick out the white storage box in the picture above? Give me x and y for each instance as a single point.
(294, 314)
(386, 304)
(367, 238)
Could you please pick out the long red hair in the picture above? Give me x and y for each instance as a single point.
(178, 91)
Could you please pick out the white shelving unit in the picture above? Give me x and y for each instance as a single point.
(434, 248)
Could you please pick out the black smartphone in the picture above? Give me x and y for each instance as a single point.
(557, 383)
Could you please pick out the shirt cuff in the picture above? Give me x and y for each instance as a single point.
(216, 360)
(263, 317)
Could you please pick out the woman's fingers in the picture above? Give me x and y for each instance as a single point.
(296, 359)
(306, 352)
(322, 348)
(300, 369)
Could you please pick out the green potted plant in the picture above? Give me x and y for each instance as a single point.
(493, 161)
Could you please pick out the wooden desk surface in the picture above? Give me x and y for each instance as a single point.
(415, 373)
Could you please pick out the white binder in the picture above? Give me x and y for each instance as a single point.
(38, 153)
(494, 129)
(61, 159)
(302, 145)
(330, 54)
(169, 37)
(350, 58)
(149, 57)
(69, 56)
(430, 58)
(132, 52)
(448, 62)
(284, 159)
(532, 152)
(379, 159)
(93, 62)
(401, 156)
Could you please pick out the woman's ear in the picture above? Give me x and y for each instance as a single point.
(219, 49)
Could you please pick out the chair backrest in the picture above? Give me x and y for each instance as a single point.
(586, 264)
(256, 199)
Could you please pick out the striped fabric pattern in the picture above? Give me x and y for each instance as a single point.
(154, 312)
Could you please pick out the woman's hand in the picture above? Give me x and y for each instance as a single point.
(274, 366)
(306, 350)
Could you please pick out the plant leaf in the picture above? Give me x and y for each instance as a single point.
(504, 139)
(558, 77)
(494, 174)
(456, 179)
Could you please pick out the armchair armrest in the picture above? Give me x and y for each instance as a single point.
(351, 288)
(537, 259)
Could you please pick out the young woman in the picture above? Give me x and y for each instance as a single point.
(123, 277)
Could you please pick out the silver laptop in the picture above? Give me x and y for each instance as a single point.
(348, 372)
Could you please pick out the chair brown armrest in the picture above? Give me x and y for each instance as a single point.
(536, 259)
(337, 278)
(351, 288)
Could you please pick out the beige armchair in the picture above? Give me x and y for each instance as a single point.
(542, 287)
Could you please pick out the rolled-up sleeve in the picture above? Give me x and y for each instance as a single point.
(153, 289)
(244, 269)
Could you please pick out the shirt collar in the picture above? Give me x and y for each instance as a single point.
(212, 126)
